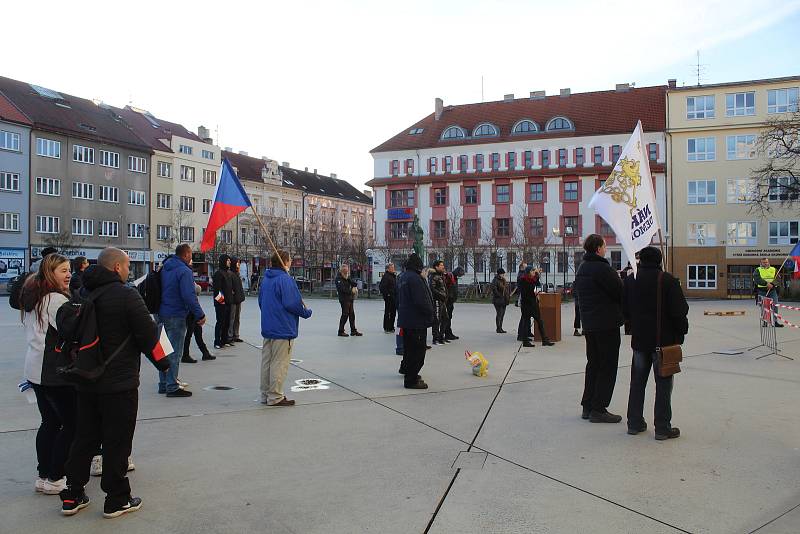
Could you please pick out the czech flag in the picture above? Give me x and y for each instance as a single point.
(229, 201)
(163, 347)
(795, 255)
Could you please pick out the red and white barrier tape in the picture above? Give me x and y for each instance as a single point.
(784, 321)
(795, 308)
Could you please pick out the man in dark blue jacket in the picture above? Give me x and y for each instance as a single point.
(600, 305)
(414, 316)
(281, 307)
(178, 299)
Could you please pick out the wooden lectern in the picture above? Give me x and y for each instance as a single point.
(550, 306)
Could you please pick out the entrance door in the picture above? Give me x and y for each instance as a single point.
(740, 280)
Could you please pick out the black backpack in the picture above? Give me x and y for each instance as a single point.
(150, 290)
(15, 289)
(76, 322)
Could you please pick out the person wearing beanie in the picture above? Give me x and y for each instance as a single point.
(639, 306)
(439, 292)
(529, 305)
(414, 317)
(500, 298)
(223, 298)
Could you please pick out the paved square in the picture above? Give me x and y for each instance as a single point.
(367, 455)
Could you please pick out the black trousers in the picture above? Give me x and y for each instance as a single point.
(524, 328)
(223, 312)
(500, 313)
(389, 314)
(576, 324)
(192, 328)
(348, 314)
(58, 408)
(448, 332)
(640, 370)
(440, 321)
(413, 353)
(602, 358)
(110, 419)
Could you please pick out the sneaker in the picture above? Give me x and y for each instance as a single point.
(181, 383)
(229, 344)
(74, 505)
(388, 331)
(434, 343)
(238, 340)
(527, 343)
(672, 433)
(39, 484)
(97, 465)
(585, 413)
(52, 487)
(179, 393)
(356, 333)
(343, 334)
(577, 333)
(777, 325)
(604, 417)
(188, 359)
(133, 504)
(283, 402)
(445, 340)
(501, 331)
(634, 430)
(419, 384)
(547, 343)
(131, 465)
(218, 347)
(451, 337)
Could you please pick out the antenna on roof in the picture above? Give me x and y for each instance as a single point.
(481, 87)
(699, 69)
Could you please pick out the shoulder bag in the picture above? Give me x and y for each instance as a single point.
(669, 358)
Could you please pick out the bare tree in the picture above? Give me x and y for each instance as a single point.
(776, 183)
(64, 241)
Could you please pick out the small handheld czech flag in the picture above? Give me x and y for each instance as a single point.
(220, 298)
(163, 348)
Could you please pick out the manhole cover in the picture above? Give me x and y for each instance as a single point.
(295, 361)
(295, 389)
(219, 388)
(311, 382)
(732, 352)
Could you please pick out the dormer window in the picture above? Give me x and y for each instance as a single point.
(559, 123)
(484, 130)
(525, 126)
(453, 132)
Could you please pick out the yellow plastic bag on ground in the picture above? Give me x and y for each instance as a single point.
(480, 366)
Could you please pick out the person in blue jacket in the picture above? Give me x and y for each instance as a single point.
(178, 299)
(281, 307)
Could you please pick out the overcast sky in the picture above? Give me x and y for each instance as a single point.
(320, 83)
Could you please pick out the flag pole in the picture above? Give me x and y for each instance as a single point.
(663, 249)
(266, 233)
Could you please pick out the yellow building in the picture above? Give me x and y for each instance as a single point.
(716, 238)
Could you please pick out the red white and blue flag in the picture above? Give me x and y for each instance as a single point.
(795, 255)
(229, 201)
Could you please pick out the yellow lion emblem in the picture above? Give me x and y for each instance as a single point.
(622, 184)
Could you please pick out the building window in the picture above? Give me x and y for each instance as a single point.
(48, 186)
(702, 234)
(700, 107)
(471, 228)
(479, 162)
(528, 155)
(570, 191)
(782, 100)
(187, 234)
(615, 151)
(741, 146)
(453, 132)
(702, 149)
(503, 194)
(398, 230)
(185, 149)
(9, 140)
(784, 188)
(562, 157)
(135, 231)
(136, 198)
(479, 262)
(394, 167)
(409, 166)
(463, 162)
(511, 160)
(109, 193)
(616, 260)
(187, 173)
(605, 229)
(537, 226)
(740, 190)
(559, 123)
(740, 104)
(209, 177)
(242, 235)
(494, 160)
(433, 164)
(109, 229)
(82, 227)
(45, 224)
(525, 126)
(784, 232)
(652, 151)
(48, 148)
(702, 276)
(470, 194)
(742, 233)
(164, 169)
(536, 192)
(109, 159)
(137, 164)
(206, 205)
(9, 222)
(226, 236)
(503, 227)
(597, 155)
(83, 154)
(9, 181)
(163, 232)
(571, 228)
(448, 164)
(439, 229)
(401, 198)
(83, 190)
(186, 204)
(484, 130)
(702, 192)
(207, 154)
(440, 196)
(580, 155)
(545, 158)
(164, 201)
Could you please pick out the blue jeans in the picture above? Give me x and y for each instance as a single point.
(176, 332)
(772, 294)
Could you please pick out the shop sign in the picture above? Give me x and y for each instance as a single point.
(756, 252)
(12, 262)
(394, 214)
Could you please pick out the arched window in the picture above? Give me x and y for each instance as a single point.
(525, 126)
(559, 123)
(453, 132)
(484, 130)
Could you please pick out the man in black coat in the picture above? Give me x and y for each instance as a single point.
(414, 316)
(346, 289)
(222, 289)
(238, 300)
(639, 307)
(388, 289)
(451, 281)
(439, 292)
(600, 304)
(529, 306)
(107, 408)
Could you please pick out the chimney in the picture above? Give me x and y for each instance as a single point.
(228, 149)
(623, 87)
(565, 92)
(285, 164)
(205, 135)
(333, 175)
(508, 98)
(265, 158)
(672, 83)
(367, 192)
(315, 172)
(537, 95)
(242, 152)
(306, 169)
(439, 108)
(264, 172)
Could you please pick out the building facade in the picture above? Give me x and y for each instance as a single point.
(496, 183)
(712, 150)
(15, 130)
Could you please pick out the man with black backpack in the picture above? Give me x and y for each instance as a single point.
(108, 403)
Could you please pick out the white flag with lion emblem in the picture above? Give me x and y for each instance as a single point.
(626, 201)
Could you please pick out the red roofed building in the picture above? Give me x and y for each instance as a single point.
(494, 183)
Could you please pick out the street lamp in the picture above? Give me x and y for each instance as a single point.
(304, 194)
(567, 233)
(546, 261)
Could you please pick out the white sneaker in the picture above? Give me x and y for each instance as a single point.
(181, 383)
(54, 488)
(39, 485)
(97, 466)
(131, 465)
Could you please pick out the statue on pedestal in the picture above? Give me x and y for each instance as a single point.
(417, 234)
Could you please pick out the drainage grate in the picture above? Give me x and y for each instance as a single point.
(219, 388)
